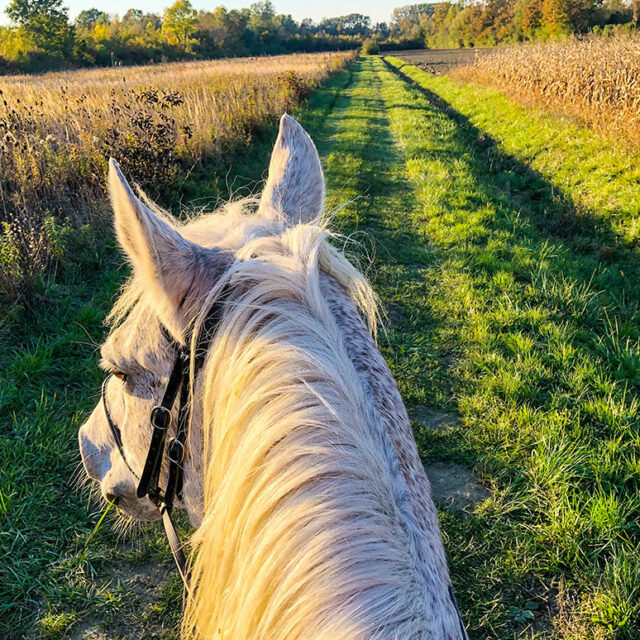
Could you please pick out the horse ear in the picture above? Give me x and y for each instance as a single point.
(163, 260)
(295, 186)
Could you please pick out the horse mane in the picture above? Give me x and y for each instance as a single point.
(302, 534)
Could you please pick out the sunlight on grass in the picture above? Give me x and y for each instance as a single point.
(532, 290)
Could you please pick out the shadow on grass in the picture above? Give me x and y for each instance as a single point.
(588, 283)
(385, 212)
(382, 216)
(552, 211)
(593, 253)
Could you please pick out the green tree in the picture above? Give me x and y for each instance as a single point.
(532, 18)
(403, 18)
(45, 23)
(227, 29)
(133, 15)
(286, 26)
(370, 47)
(582, 14)
(13, 46)
(89, 17)
(179, 22)
(262, 17)
(354, 24)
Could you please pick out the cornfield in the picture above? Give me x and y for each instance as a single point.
(58, 130)
(594, 79)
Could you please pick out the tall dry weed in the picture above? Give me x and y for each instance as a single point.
(58, 130)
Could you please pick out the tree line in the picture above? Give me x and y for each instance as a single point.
(493, 22)
(42, 37)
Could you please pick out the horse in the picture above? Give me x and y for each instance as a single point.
(297, 465)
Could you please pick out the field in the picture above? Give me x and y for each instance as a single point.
(162, 122)
(440, 61)
(505, 252)
(595, 80)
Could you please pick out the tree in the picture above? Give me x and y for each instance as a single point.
(498, 20)
(227, 29)
(45, 23)
(532, 18)
(555, 17)
(89, 17)
(354, 24)
(370, 47)
(133, 15)
(581, 13)
(262, 17)
(382, 30)
(286, 26)
(179, 21)
(307, 26)
(412, 12)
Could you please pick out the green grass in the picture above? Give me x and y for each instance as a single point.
(528, 290)
(503, 247)
(50, 578)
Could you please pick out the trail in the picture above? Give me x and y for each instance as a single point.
(513, 335)
(369, 165)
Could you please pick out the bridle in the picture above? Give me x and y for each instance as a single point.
(160, 419)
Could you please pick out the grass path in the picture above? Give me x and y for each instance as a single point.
(513, 316)
(514, 312)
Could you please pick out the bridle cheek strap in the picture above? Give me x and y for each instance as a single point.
(160, 420)
(148, 482)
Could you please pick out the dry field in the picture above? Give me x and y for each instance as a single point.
(57, 131)
(439, 61)
(594, 79)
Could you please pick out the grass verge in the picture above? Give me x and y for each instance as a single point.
(531, 291)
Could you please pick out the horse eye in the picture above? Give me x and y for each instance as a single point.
(120, 375)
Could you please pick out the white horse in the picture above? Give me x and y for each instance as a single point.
(312, 513)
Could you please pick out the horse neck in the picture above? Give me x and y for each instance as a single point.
(302, 527)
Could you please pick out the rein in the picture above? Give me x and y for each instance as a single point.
(160, 418)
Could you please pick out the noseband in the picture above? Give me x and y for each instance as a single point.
(160, 419)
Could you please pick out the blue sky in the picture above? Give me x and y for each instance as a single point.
(379, 10)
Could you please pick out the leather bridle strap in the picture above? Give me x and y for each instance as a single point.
(115, 430)
(174, 484)
(175, 448)
(160, 419)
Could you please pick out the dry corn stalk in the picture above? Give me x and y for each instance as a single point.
(594, 79)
